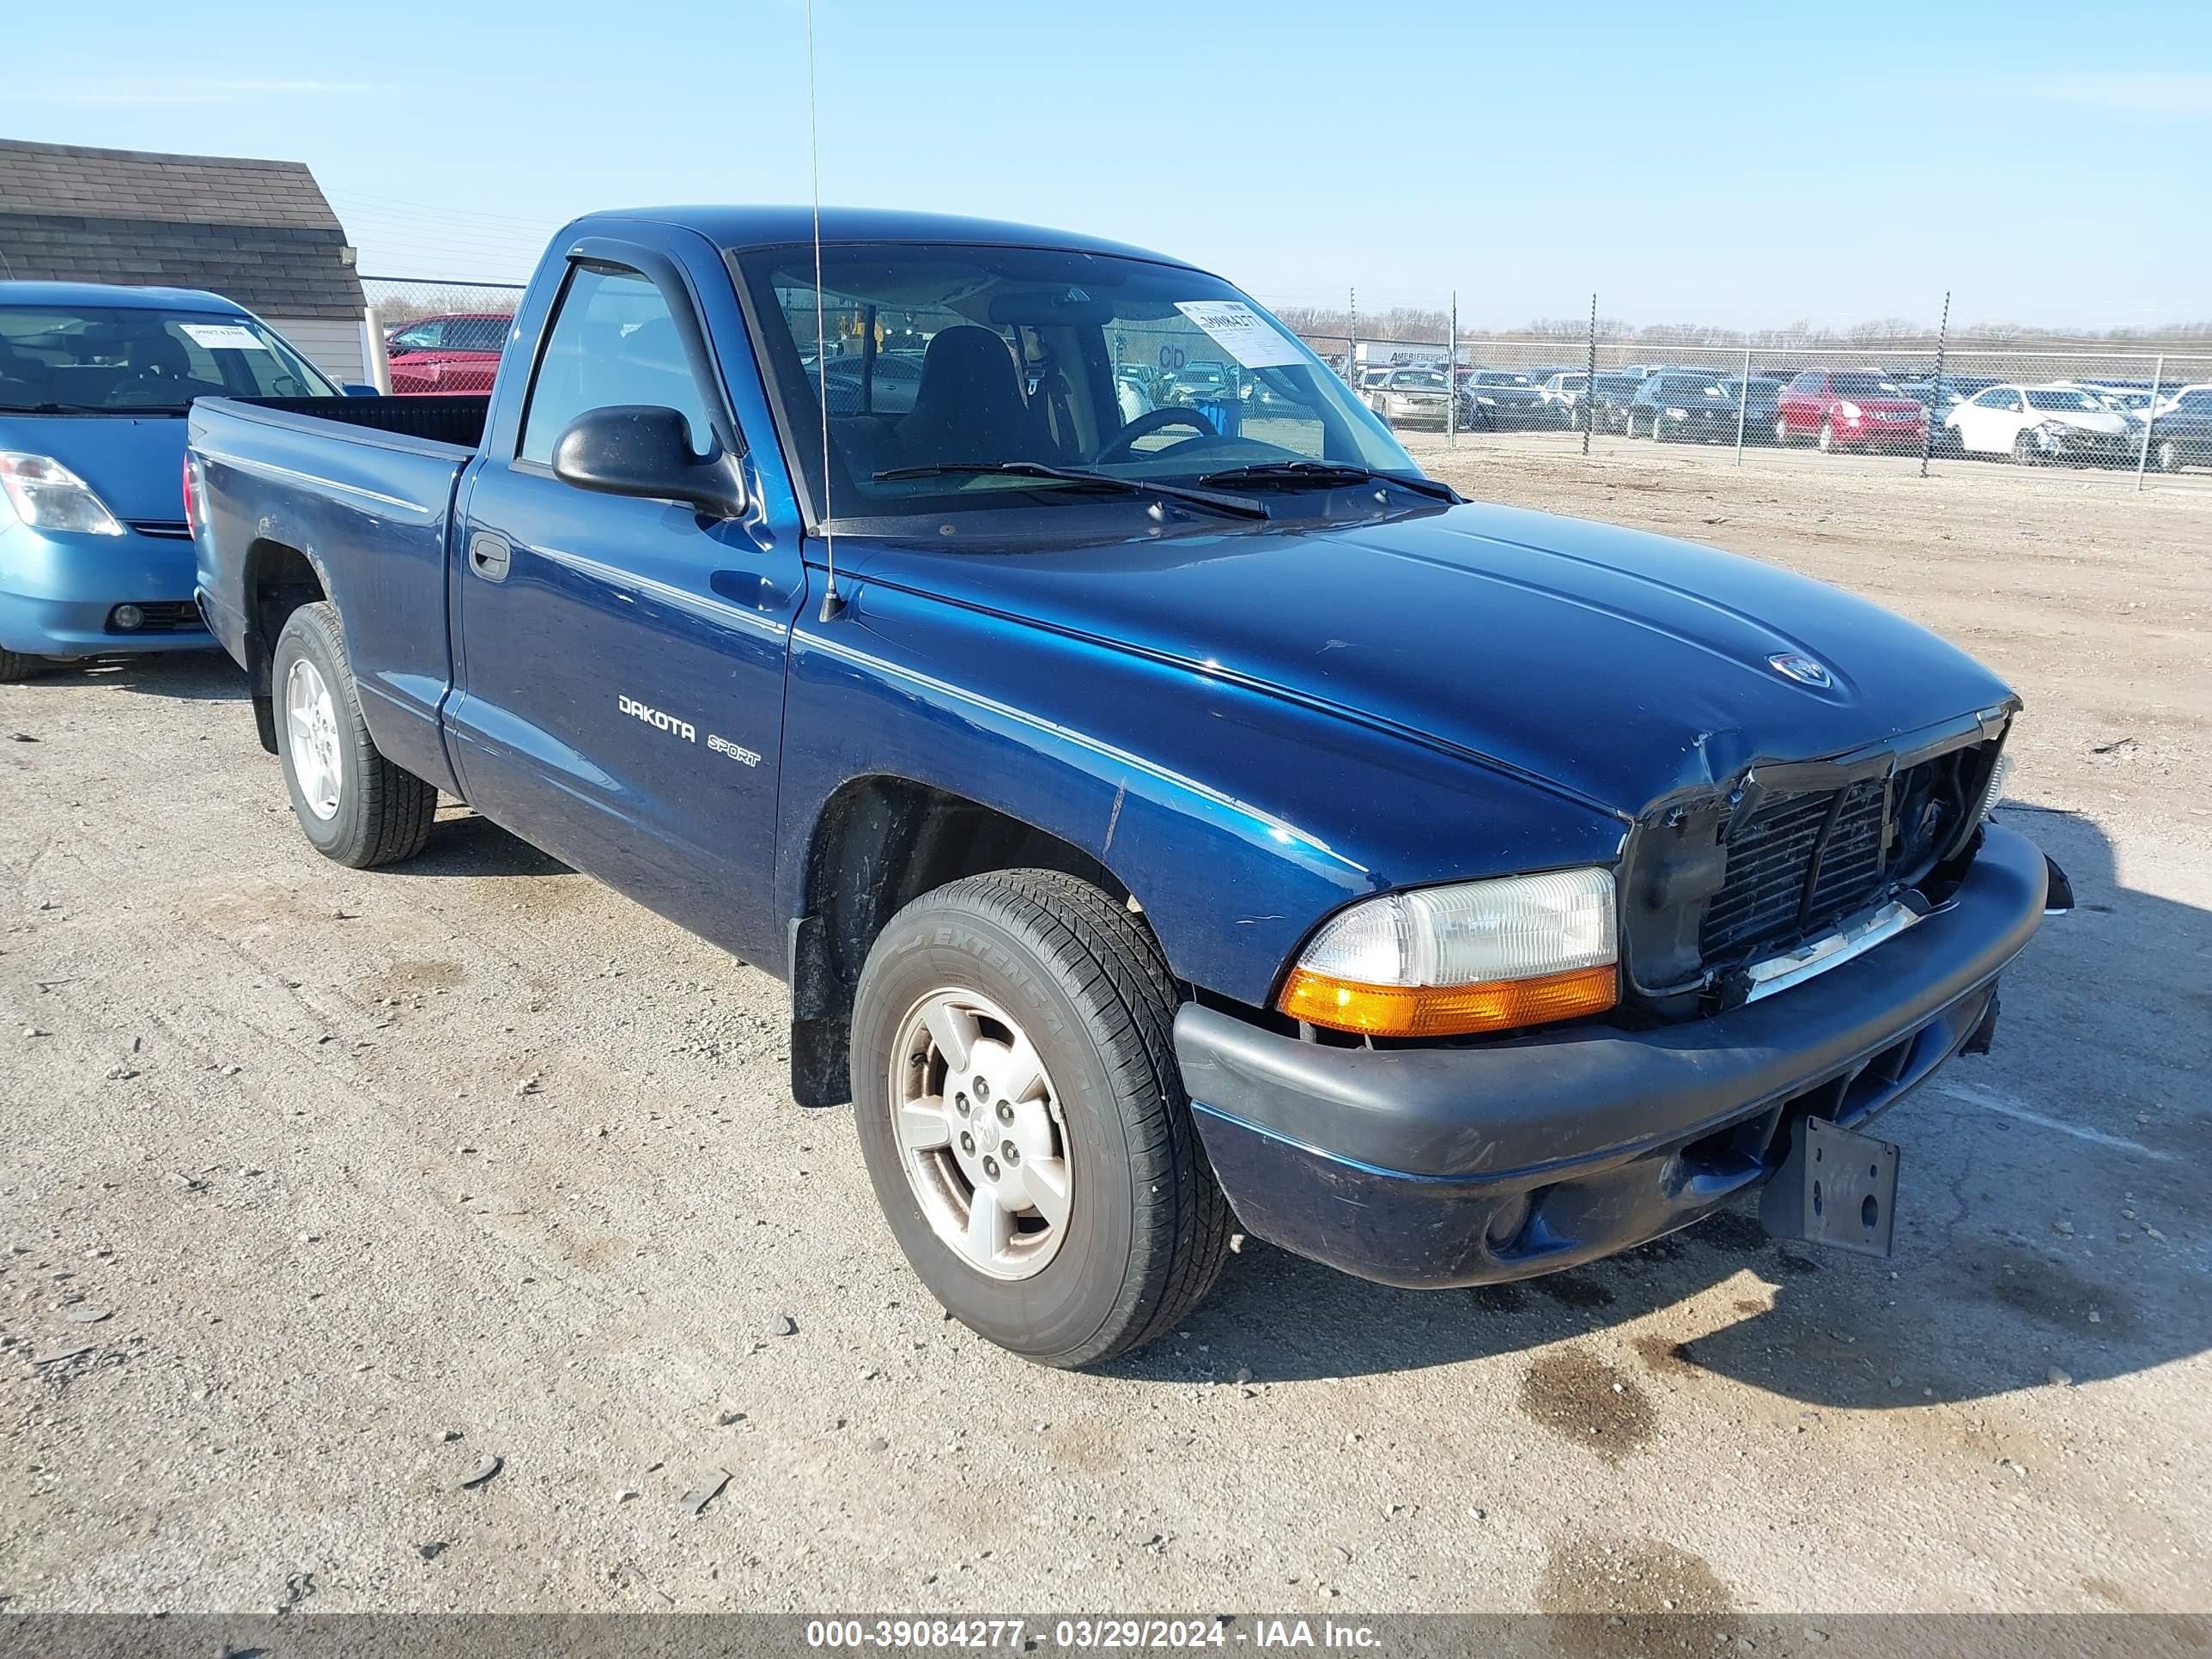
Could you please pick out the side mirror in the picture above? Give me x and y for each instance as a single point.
(359, 389)
(643, 450)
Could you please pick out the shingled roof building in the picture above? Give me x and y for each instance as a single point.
(256, 232)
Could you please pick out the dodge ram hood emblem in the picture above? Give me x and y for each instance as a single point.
(1790, 665)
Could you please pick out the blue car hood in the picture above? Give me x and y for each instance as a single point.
(1616, 665)
(133, 463)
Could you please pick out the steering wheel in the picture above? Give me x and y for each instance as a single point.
(1153, 420)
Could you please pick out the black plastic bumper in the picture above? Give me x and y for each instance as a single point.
(1459, 1166)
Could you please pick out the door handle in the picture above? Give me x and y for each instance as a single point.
(489, 556)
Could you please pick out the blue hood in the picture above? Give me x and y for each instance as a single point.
(134, 462)
(1617, 665)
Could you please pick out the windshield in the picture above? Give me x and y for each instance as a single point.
(1864, 385)
(947, 356)
(2063, 399)
(135, 360)
(1499, 377)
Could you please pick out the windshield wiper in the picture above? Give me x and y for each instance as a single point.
(1323, 474)
(1236, 505)
(72, 408)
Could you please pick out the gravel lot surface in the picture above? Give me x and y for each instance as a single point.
(444, 1238)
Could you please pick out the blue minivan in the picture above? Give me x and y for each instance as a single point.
(95, 552)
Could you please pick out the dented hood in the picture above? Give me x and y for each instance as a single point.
(1615, 665)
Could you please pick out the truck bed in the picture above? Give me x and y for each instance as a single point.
(361, 491)
(457, 421)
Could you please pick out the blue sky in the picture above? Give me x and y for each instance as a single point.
(1748, 165)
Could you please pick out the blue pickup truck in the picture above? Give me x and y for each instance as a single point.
(1168, 823)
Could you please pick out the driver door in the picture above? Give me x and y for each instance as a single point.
(621, 663)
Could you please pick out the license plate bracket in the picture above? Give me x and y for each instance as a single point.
(1836, 1187)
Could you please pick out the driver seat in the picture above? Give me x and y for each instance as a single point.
(969, 405)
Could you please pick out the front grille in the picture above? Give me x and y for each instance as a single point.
(167, 529)
(1767, 861)
(1806, 859)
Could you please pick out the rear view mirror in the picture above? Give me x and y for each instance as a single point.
(645, 450)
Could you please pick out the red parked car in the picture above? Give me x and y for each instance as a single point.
(1850, 409)
(457, 352)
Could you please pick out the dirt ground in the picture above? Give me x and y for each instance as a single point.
(444, 1238)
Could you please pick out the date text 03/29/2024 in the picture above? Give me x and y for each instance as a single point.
(1085, 1634)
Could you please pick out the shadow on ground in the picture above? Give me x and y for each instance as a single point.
(192, 676)
(463, 844)
(2022, 1250)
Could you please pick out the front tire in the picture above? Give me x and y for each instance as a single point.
(1826, 441)
(355, 806)
(1029, 1010)
(14, 667)
(2168, 454)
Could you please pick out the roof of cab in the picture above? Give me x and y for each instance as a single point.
(103, 294)
(741, 227)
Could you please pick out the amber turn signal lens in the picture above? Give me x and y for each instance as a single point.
(1415, 1011)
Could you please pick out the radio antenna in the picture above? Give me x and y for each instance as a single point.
(833, 602)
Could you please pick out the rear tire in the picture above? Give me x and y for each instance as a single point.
(355, 806)
(1038, 958)
(14, 667)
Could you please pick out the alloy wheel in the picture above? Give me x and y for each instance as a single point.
(311, 728)
(980, 1133)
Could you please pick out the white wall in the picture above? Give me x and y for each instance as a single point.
(331, 344)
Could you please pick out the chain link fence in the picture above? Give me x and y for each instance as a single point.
(2137, 415)
(433, 337)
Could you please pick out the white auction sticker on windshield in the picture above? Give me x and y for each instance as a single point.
(1244, 333)
(225, 336)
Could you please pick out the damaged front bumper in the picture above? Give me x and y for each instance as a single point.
(1434, 1167)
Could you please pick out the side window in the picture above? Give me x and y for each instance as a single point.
(613, 341)
(479, 334)
(1809, 381)
(423, 336)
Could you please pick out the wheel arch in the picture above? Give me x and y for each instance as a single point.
(879, 842)
(277, 579)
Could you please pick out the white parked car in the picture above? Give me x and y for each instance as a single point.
(2033, 423)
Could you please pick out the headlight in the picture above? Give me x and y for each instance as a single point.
(47, 496)
(1849, 411)
(1491, 402)
(1478, 955)
(1673, 414)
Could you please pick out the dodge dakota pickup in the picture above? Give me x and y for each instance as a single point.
(1169, 821)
